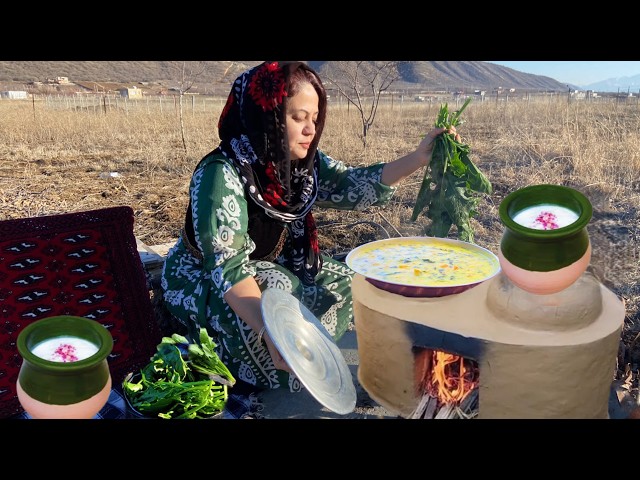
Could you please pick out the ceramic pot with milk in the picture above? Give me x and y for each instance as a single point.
(545, 245)
(64, 371)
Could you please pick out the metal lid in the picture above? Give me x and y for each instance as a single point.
(309, 350)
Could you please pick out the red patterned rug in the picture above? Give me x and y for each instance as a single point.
(85, 264)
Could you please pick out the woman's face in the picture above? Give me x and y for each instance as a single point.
(301, 118)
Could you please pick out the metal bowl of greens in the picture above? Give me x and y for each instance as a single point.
(133, 413)
(182, 380)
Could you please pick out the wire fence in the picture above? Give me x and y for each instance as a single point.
(150, 104)
(104, 103)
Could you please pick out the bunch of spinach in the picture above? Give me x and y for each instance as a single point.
(451, 183)
(182, 380)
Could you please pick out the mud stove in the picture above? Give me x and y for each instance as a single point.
(538, 356)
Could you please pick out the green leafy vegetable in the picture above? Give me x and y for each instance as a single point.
(451, 183)
(182, 380)
(205, 360)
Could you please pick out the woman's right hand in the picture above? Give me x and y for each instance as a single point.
(278, 361)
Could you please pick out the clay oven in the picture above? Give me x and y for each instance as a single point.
(539, 356)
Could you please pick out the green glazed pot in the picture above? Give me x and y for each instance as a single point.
(556, 256)
(77, 384)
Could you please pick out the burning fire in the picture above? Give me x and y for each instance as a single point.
(447, 377)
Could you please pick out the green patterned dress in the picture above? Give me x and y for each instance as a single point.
(194, 288)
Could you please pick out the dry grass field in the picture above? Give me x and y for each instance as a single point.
(57, 157)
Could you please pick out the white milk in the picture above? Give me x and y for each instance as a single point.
(65, 349)
(546, 217)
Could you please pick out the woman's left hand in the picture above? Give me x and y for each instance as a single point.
(426, 145)
(394, 172)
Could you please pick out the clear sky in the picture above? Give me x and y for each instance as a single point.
(576, 72)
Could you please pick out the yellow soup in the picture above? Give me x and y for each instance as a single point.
(424, 261)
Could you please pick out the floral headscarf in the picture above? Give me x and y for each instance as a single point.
(253, 133)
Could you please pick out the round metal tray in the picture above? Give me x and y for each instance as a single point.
(309, 350)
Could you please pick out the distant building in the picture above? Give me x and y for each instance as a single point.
(132, 92)
(14, 94)
(58, 80)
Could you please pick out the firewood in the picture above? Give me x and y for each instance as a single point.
(470, 402)
(420, 409)
(431, 407)
(445, 412)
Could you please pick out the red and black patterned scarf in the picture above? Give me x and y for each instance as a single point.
(253, 134)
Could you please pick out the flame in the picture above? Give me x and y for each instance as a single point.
(452, 377)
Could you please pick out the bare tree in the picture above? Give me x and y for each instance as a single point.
(187, 74)
(362, 83)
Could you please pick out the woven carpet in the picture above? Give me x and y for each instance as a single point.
(85, 264)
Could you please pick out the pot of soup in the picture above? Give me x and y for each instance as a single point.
(423, 266)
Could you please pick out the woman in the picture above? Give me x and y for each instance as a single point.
(249, 224)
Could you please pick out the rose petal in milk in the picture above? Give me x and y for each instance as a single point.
(65, 349)
(545, 217)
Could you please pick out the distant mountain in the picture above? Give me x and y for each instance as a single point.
(614, 85)
(451, 76)
(217, 75)
(459, 75)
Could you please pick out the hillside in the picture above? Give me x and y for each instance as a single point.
(217, 75)
(479, 75)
